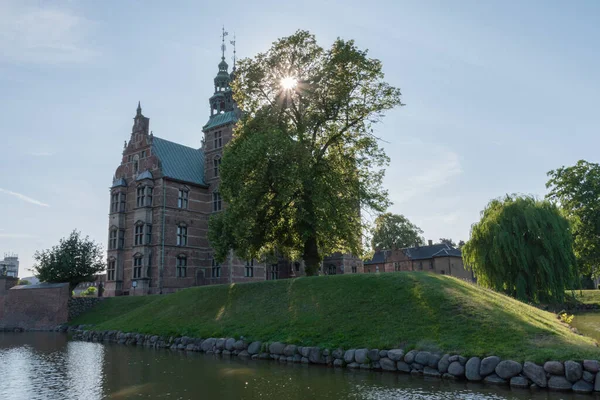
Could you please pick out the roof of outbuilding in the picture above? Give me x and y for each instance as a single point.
(435, 250)
(178, 161)
(379, 257)
(221, 119)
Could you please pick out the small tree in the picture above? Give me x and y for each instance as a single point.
(395, 231)
(523, 247)
(461, 243)
(73, 260)
(89, 292)
(448, 242)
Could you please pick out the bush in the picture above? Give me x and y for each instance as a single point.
(89, 292)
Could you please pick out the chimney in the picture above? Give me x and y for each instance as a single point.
(430, 242)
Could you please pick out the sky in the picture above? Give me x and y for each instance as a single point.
(497, 93)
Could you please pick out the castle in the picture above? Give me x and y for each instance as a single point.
(162, 196)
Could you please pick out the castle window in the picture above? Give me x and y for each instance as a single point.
(144, 196)
(137, 266)
(274, 271)
(140, 196)
(297, 266)
(396, 266)
(181, 266)
(218, 140)
(182, 199)
(114, 202)
(216, 201)
(182, 235)
(216, 166)
(143, 154)
(216, 269)
(122, 202)
(135, 166)
(148, 196)
(354, 269)
(249, 269)
(139, 234)
(112, 239)
(331, 270)
(148, 234)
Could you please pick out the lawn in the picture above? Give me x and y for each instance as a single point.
(586, 296)
(389, 310)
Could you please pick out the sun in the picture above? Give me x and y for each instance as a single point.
(288, 83)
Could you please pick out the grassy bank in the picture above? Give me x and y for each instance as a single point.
(586, 296)
(407, 310)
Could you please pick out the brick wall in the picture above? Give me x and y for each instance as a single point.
(40, 306)
(6, 282)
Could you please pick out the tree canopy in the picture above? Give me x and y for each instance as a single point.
(577, 190)
(523, 247)
(304, 159)
(395, 231)
(74, 260)
(449, 242)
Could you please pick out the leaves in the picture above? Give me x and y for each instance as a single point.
(577, 190)
(523, 247)
(303, 161)
(73, 260)
(394, 231)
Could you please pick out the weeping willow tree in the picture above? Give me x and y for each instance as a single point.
(523, 247)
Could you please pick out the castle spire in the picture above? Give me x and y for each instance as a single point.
(223, 34)
(139, 109)
(234, 56)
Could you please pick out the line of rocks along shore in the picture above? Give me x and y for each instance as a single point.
(578, 377)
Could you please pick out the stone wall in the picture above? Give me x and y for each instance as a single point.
(578, 377)
(79, 305)
(6, 282)
(34, 307)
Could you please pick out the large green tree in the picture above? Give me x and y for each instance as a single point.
(523, 247)
(577, 190)
(304, 159)
(74, 260)
(395, 231)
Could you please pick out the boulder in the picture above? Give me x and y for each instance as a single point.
(536, 373)
(443, 363)
(462, 360)
(417, 366)
(220, 344)
(315, 356)
(403, 367)
(290, 350)
(573, 371)
(376, 365)
(387, 364)
(240, 345)
(338, 363)
(304, 360)
(582, 387)
(559, 383)
(229, 344)
(453, 358)
(554, 367)
(422, 357)
(433, 360)
(472, 369)
(597, 383)
(592, 366)
(361, 356)
(519, 382)
(409, 358)
(305, 351)
(588, 376)
(254, 347)
(431, 372)
(365, 366)
(373, 355)
(494, 379)
(383, 353)
(244, 353)
(488, 365)
(208, 344)
(276, 348)
(395, 354)
(456, 369)
(349, 356)
(507, 369)
(338, 353)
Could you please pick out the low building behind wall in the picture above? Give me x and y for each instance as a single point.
(41, 306)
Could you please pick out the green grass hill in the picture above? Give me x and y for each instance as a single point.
(390, 310)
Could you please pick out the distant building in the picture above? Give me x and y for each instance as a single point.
(99, 280)
(10, 265)
(439, 258)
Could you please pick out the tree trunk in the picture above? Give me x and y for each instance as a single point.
(311, 257)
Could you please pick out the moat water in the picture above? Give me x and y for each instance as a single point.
(49, 366)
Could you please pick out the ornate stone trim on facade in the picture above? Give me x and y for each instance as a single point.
(553, 375)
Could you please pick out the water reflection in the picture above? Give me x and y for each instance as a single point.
(48, 366)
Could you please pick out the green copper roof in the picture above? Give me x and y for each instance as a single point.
(179, 162)
(220, 119)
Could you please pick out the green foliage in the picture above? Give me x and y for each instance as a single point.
(577, 190)
(89, 292)
(523, 247)
(304, 159)
(24, 282)
(461, 243)
(448, 242)
(73, 260)
(415, 310)
(395, 231)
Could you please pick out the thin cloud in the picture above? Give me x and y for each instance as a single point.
(24, 198)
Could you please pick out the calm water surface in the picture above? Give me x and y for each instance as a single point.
(49, 366)
(588, 324)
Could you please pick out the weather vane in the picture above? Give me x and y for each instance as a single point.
(233, 44)
(223, 43)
